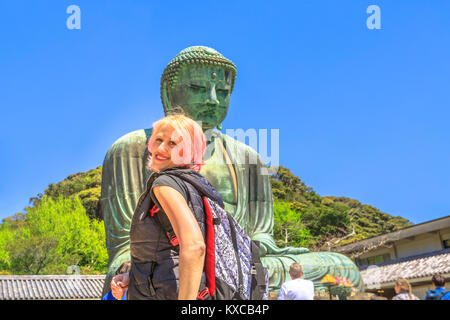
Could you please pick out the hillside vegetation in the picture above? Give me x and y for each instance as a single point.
(327, 221)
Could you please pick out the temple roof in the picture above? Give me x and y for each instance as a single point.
(51, 287)
(408, 232)
(423, 265)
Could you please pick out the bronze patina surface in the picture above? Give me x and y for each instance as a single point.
(199, 82)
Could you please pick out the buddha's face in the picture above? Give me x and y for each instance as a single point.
(203, 92)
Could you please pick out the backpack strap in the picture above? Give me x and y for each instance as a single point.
(443, 293)
(236, 252)
(434, 295)
(210, 264)
(149, 184)
(204, 294)
(162, 217)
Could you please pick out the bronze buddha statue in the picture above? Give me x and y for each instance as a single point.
(199, 82)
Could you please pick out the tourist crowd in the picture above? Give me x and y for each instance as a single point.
(301, 289)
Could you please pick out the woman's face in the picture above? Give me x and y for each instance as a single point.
(166, 149)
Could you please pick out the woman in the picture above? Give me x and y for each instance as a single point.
(158, 271)
(403, 291)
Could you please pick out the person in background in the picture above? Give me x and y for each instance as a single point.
(124, 269)
(297, 288)
(403, 290)
(439, 293)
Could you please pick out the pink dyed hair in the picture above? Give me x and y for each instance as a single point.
(193, 143)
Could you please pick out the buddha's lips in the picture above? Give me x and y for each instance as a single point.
(208, 116)
(208, 111)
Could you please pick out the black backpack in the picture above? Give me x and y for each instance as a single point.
(233, 269)
(436, 295)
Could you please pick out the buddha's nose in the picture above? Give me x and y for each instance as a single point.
(212, 96)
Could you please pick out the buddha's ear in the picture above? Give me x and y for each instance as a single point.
(165, 99)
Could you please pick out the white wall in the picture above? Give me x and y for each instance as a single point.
(378, 252)
(445, 233)
(421, 244)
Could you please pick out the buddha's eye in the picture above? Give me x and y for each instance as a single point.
(172, 144)
(158, 140)
(196, 87)
(222, 92)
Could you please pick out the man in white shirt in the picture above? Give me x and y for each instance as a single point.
(297, 288)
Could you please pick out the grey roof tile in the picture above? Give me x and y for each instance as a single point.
(51, 287)
(409, 267)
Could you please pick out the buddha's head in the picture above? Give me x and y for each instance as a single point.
(198, 82)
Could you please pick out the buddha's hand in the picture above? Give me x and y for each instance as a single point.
(268, 246)
(119, 284)
(270, 249)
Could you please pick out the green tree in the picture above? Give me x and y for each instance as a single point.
(6, 236)
(288, 187)
(15, 221)
(86, 185)
(328, 218)
(31, 254)
(288, 228)
(322, 220)
(58, 234)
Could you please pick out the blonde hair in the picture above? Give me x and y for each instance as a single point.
(193, 143)
(404, 286)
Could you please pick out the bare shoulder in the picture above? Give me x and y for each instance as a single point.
(169, 195)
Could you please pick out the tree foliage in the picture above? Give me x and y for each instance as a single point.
(6, 236)
(288, 227)
(325, 218)
(85, 185)
(55, 235)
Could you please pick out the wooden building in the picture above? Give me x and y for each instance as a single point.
(414, 253)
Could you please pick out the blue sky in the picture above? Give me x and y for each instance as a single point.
(362, 113)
